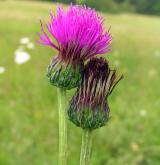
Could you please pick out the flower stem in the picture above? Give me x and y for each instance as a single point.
(62, 127)
(86, 147)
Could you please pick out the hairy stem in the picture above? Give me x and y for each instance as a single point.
(62, 127)
(86, 147)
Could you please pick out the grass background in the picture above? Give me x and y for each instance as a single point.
(28, 103)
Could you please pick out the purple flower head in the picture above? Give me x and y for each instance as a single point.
(89, 107)
(79, 34)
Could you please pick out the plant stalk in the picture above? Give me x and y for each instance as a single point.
(62, 127)
(86, 147)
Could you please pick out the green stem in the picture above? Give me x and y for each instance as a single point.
(62, 127)
(86, 147)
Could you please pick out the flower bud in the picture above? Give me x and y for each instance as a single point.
(89, 107)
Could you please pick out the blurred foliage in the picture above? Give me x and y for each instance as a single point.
(139, 6)
(146, 6)
(109, 5)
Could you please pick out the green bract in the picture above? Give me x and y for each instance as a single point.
(66, 77)
(87, 119)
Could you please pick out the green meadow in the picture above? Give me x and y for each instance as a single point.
(28, 103)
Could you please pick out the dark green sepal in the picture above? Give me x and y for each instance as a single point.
(87, 118)
(66, 77)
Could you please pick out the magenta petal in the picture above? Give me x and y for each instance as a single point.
(78, 31)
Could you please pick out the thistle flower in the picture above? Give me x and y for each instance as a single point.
(89, 107)
(80, 36)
